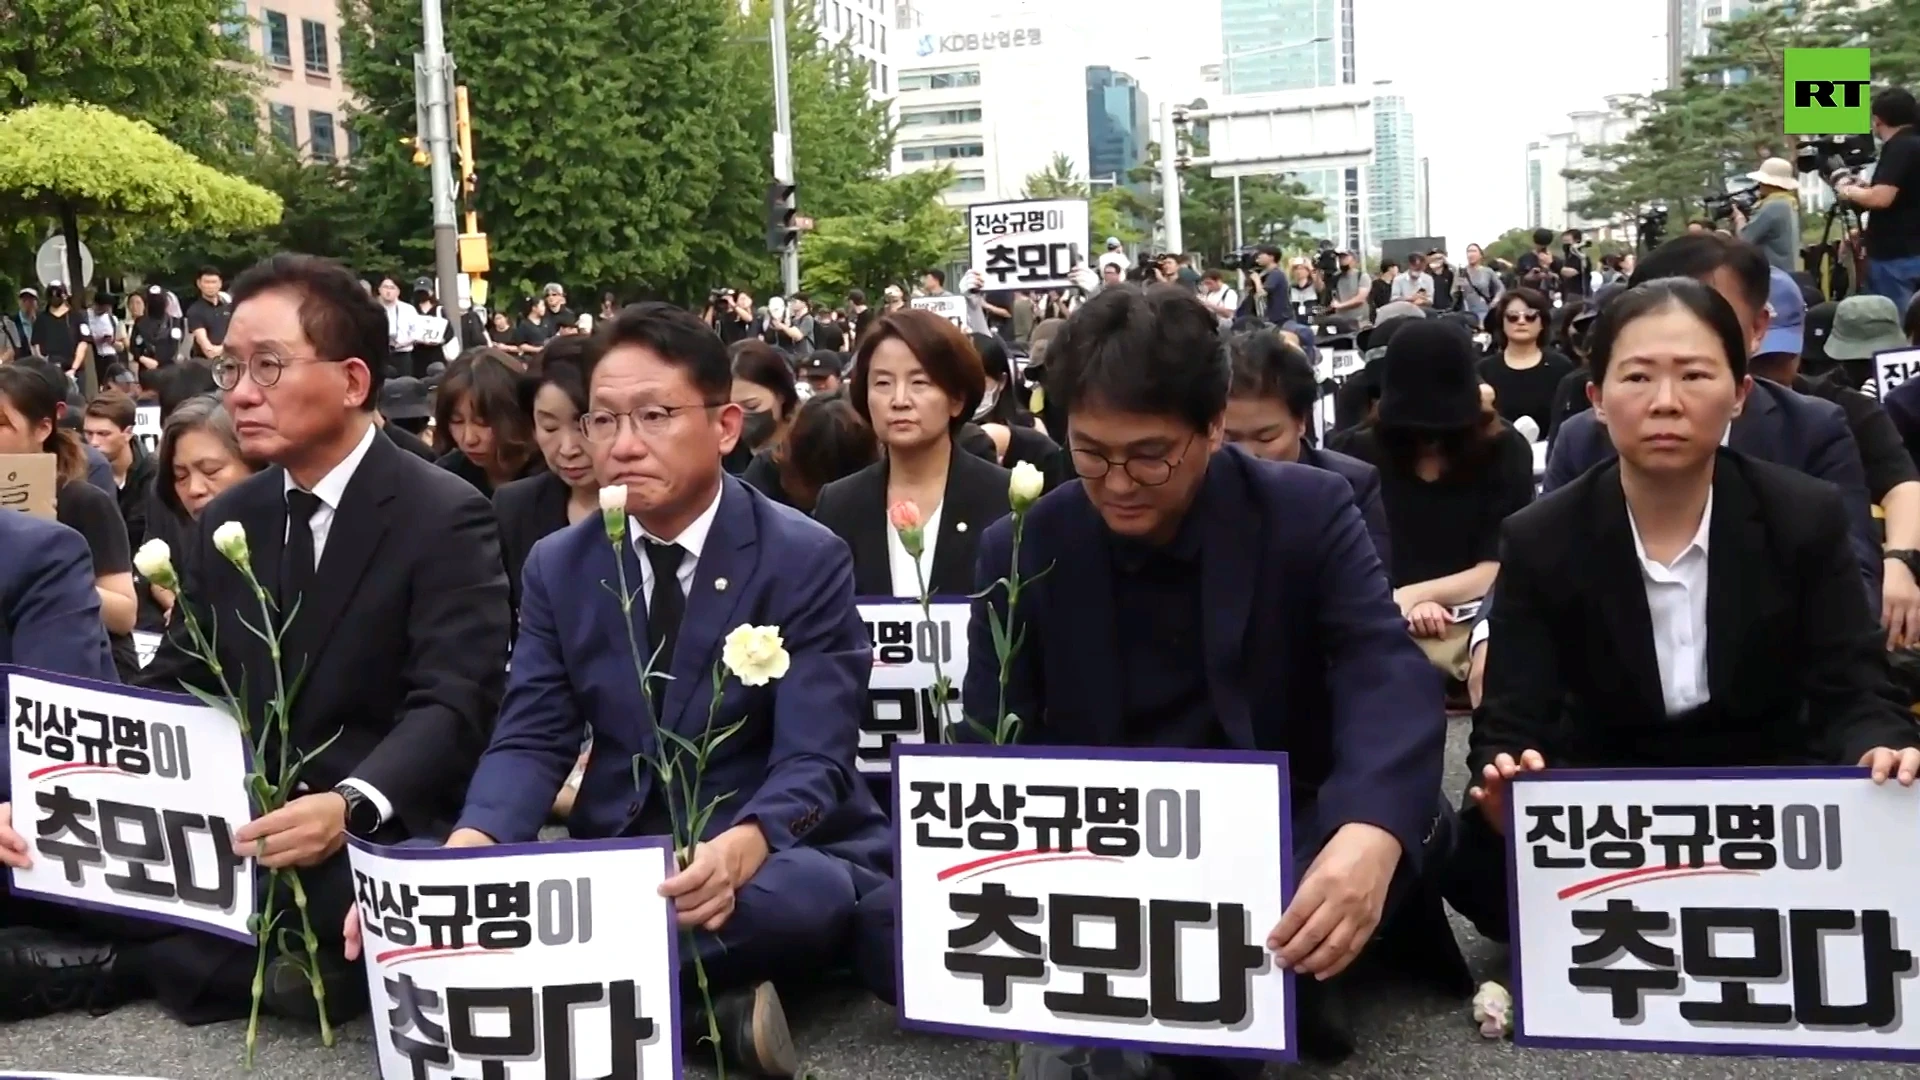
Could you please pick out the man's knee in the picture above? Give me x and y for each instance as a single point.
(800, 895)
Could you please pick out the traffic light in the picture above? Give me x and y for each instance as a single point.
(781, 211)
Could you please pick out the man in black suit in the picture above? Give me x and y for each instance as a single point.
(400, 629)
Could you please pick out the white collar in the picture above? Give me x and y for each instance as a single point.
(694, 537)
(1699, 535)
(332, 487)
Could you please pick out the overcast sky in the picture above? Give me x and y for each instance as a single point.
(1483, 78)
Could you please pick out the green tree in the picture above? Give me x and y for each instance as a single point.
(1059, 180)
(83, 162)
(1110, 212)
(1272, 208)
(1509, 245)
(901, 228)
(323, 215)
(1726, 114)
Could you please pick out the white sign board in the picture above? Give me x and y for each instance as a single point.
(1090, 895)
(1762, 911)
(1322, 127)
(951, 308)
(1028, 245)
(128, 799)
(146, 427)
(145, 644)
(521, 961)
(911, 651)
(1891, 368)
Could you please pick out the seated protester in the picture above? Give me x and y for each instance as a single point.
(916, 379)
(199, 457)
(1774, 423)
(1269, 410)
(406, 405)
(822, 371)
(1892, 480)
(828, 441)
(480, 431)
(763, 387)
(29, 425)
(1015, 434)
(1862, 326)
(1169, 537)
(1522, 370)
(1683, 605)
(1572, 324)
(1355, 399)
(773, 889)
(1450, 472)
(391, 568)
(108, 427)
(537, 506)
(67, 414)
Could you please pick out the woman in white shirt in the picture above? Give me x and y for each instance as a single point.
(916, 381)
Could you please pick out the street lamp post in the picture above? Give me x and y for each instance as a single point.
(1226, 77)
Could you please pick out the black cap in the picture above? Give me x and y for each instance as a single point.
(405, 398)
(821, 362)
(1431, 382)
(423, 285)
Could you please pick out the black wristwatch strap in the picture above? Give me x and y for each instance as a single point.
(363, 818)
(1908, 556)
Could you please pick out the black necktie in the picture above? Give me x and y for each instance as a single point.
(297, 558)
(665, 607)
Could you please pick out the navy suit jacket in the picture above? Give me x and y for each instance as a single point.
(49, 611)
(1366, 493)
(790, 768)
(1778, 425)
(1306, 651)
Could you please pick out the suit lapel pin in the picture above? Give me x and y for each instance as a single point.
(960, 526)
(720, 584)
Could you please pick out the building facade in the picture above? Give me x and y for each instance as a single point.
(1117, 126)
(1270, 45)
(993, 96)
(864, 25)
(1393, 180)
(304, 102)
(1550, 194)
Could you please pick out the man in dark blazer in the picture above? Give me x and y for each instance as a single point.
(1270, 413)
(1794, 658)
(49, 609)
(1198, 597)
(391, 572)
(774, 887)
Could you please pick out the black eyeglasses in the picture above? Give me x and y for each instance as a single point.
(1145, 471)
(264, 369)
(651, 421)
(1526, 316)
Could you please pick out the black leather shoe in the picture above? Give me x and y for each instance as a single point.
(289, 993)
(42, 973)
(753, 1032)
(1322, 1021)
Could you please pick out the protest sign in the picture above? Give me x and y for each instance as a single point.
(909, 651)
(521, 961)
(145, 644)
(951, 308)
(1094, 896)
(1759, 911)
(146, 427)
(1032, 244)
(1891, 368)
(128, 799)
(28, 482)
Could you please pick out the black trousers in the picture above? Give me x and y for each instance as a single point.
(197, 978)
(1476, 877)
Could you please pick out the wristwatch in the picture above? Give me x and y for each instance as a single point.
(363, 818)
(1907, 556)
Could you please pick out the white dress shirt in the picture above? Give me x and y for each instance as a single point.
(693, 539)
(900, 565)
(330, 489)
(1677, 603)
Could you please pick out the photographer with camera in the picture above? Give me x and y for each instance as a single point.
(1265, 280)
(1538, 269)
(1892, 199)
(1773, 223)
(1573, 269)
(1348, 293)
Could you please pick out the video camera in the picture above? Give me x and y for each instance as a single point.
(1246, 259)
(1835, 157)
(1721, 207)
(1327, 261)
(1652, 224)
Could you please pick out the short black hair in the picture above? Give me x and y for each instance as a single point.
(675, 335)
(1697, 298)
(1388, 264)
(336, 314)
(1699, 255)
(206, 271)
(1155, 351)
(1542, 237)
(758, 362)
(937, 275)
(1895, 107)
(1265, 366)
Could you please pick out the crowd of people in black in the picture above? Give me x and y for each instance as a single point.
(1698, 582)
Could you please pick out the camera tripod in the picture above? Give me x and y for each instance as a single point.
(1823, 258)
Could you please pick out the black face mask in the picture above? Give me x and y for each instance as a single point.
(757, 429)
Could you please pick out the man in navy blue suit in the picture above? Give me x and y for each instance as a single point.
(774, 887)
(1243, 606)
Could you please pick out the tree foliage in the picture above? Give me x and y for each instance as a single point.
(1727, 112)
(625, 146)
(1109, 210)
(1272, 208)
(900, 229)
(323, 213)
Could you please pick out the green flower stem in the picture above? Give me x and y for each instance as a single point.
(313, 956)
(942, 690)
(1001, 734)
(263, 934)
